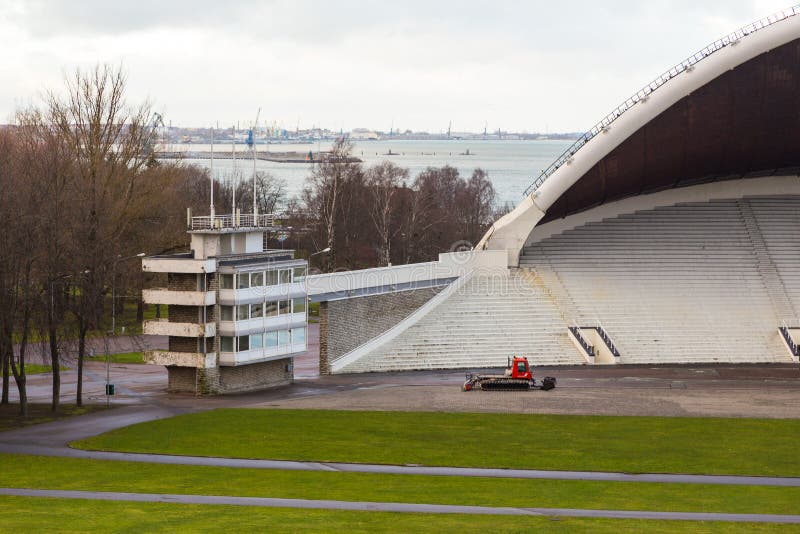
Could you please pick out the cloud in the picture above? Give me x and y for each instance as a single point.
(516, 64)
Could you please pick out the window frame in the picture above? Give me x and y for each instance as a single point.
(239, 277)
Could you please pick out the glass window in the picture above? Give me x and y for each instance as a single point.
(271, 278)
(298, 336)
(226, 343)
(226, 281)
(244, 343)
(256, 341)
(286, 276)
(256, 279)
(243, 280)
(299, 274)
(271, 340)
(271, 309)
(283, 337)
(299, 305)
(284, 307)
(226, 313)
(257, 310)
(242, 312)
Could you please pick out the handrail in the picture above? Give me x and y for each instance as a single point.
(642, 95)
(243, 220)
(606, 338)
(784, 330)
(578, 333)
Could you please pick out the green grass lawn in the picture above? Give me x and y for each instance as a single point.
(36, 369)
(593, 443)
(25, 514)
(125, 357)
(103, 475)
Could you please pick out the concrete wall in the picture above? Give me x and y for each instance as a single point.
(222, 380)
(182, 282)
(183, 314)
(346, 324)
(182, 344)
(182, 379)
(255, 376)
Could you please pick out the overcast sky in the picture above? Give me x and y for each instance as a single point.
(516, 65)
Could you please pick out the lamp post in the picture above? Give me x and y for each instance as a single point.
(323, 251)
(113, 332)
(305, 280)
(113, 288)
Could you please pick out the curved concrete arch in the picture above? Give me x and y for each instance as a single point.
(511, 231)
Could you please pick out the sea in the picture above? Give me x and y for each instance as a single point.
(512, 165)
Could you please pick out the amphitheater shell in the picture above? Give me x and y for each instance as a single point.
(667, 234)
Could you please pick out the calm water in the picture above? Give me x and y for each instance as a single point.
(512, 165)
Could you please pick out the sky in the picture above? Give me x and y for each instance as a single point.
(526, 66)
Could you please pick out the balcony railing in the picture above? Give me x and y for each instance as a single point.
(180, 359)
(641, 95)
(243, 220)
(164, 327)
(160, 295)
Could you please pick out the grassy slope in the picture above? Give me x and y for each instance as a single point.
(99, 475)
(22, 514)
(630, 444)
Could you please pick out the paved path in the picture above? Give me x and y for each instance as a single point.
(395, 507)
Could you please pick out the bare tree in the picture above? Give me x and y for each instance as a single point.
(383, 181)
(270, 192)
(47, 166)
(324, 191)
(476, 205)
(107, 143)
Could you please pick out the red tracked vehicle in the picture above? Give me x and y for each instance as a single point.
(518, 376)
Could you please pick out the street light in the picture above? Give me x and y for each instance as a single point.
(323, 251)
(305, 280)
(118, 259)
(113, 288)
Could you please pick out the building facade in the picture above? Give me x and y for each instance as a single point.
(237, 311)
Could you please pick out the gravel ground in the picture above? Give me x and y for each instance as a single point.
(738, 391)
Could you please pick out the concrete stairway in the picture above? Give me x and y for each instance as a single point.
(676, 284)
(489, 319)
(778, 220)
(766, 267)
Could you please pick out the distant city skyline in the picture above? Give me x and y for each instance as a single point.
(420, 66)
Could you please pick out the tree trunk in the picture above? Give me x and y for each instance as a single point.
(5, 361)
(81, 353)
(21, 378)
(54, 361)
